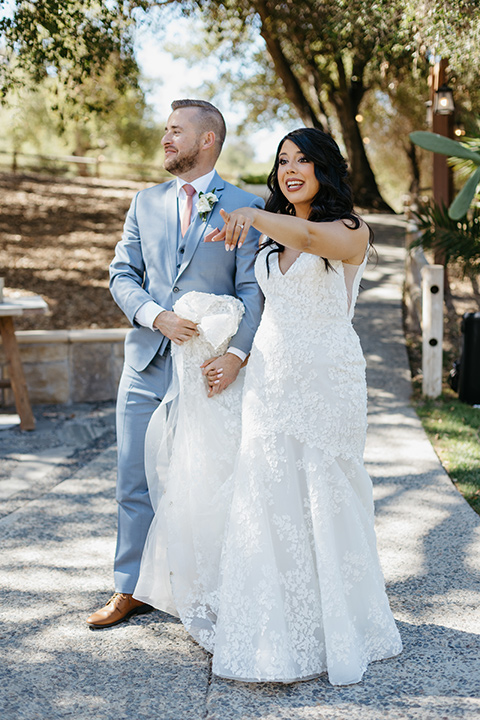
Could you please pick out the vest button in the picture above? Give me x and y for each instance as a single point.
(182, 250)
(176, 289)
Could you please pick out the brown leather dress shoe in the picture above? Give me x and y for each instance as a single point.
(119, 608)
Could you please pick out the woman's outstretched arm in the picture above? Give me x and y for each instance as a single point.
(332, 240)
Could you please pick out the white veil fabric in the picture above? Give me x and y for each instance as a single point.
(190, 449)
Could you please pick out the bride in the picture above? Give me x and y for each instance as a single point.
(263, 540)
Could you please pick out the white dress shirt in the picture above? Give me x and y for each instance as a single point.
(147, 313)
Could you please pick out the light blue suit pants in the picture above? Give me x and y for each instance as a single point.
(139, 394)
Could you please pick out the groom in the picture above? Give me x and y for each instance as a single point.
(164, 253)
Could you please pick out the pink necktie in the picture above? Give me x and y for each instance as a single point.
(187, 211)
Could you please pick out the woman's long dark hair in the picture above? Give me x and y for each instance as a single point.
(334, 199)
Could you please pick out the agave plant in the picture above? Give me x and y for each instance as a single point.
(445, 146)
(464, 168)
(459, 239)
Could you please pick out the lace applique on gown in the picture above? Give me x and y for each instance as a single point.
(300, 587)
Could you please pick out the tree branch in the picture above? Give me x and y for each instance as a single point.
(283, 68)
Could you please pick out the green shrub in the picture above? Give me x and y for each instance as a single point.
(255, 179)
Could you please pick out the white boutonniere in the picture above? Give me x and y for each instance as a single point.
(205, 204)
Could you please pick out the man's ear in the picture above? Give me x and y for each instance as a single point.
(208, 140)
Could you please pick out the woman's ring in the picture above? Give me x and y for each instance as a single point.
(241, 226)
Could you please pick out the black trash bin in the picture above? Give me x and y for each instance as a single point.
(469, 375)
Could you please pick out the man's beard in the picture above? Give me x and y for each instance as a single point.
(181, 163)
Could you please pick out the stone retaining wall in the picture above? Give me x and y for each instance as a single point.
(64, 366)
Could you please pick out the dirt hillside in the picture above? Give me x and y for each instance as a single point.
(57, 238)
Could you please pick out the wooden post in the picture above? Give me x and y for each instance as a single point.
(432, 329)
(442, 125)
(17, 378)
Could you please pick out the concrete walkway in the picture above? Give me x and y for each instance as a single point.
(57, 534)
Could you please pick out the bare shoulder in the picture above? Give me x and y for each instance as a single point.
(360, 239)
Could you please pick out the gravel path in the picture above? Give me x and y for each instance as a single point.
(57, 534)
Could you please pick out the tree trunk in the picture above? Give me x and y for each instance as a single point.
(293, 89)
(365, 190)
(345, 100)
(412, 155)
(82, 146)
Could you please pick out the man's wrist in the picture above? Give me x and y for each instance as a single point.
(154, 324)
(148, 313)
(237, 352)
(234, 356)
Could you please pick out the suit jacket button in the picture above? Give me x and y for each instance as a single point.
(176, 289)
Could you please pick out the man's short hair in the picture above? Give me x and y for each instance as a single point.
(209, 116)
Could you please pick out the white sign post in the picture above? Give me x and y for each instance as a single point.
(432, 329)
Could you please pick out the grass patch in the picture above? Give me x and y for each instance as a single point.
(454, 431)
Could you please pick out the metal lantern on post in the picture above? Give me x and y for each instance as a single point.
(443, 101)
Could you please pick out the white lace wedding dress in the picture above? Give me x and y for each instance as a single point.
(293, 586)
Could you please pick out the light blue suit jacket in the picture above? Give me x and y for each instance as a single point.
(149, 266)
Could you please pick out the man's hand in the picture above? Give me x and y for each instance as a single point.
(221, 372)
(175, 328)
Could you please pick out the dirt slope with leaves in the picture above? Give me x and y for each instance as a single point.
(57, 238)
